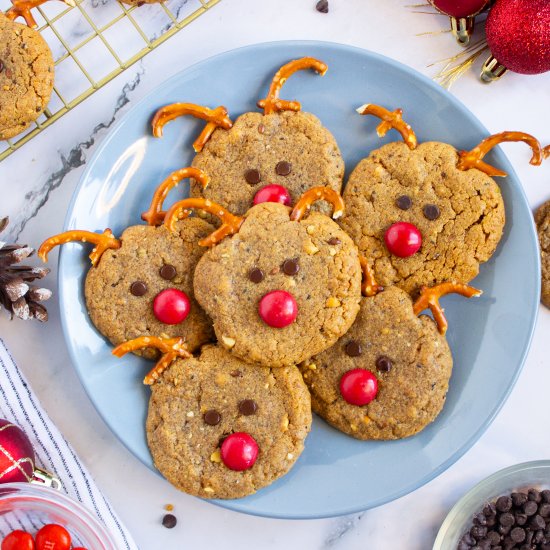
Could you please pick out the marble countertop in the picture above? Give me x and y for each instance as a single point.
(36, 184)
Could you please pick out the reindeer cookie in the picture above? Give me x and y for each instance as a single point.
(275, 156)
(282, 288)
(388, 376)
(425, 213)
(142, 283)
(220, 428)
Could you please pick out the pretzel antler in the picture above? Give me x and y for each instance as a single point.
(215, 118)
(171, 349)
(472, 159)
(546, 152)
(272, 103)
(230, 223)
(390, 120)
(155, 215)
(103, 241)
(429, 298)
(316, 194)
(22, 8)
(369, 286)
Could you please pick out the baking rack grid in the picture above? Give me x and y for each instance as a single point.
(94, 42)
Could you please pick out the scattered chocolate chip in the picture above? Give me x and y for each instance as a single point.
(256, 275)
(322, 6)
(503, 504)
(169, 521)
(252, 176)
(517, 534)
(290, 267)
(248, 407)
(261, 128)
(138, 288)
(334, 241)
(404, 202)
(383, 363)
(530, 508)
(283, 168)
(353, 348)
(212, 417)
(236, 373)
(168, 272)
(431, 212)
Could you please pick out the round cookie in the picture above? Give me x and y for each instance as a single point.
(410, 359)
(26, 77)
(542, 219)
(312, 260)
(198, 402)
(460, 214)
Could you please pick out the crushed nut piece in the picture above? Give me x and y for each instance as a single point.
(289, 456)
(333, 302)
(284, 423)
(190, 414)
(310, 248)
(310, 229)
(216, 457)
(208, 490)
(229, 342)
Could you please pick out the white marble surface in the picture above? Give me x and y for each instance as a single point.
(36, 184)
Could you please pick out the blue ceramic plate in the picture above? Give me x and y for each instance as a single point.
(489, 336)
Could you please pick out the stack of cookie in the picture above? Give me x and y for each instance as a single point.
(263, 307)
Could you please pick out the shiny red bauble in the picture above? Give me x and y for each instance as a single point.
(273, 193)
(53, 537)
(518, 35)
(18, 540)
(171, 306)
(460, 8)
(403, 239)
(278, 309)
(358, 387)
(239, 451)
(16, 454)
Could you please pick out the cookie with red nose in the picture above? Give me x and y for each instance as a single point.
(218, 427)
(425, 213)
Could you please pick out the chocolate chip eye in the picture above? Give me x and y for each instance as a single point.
(383, 363)
(404, 202)
(212, 417)
(431, 211)
(138, 288)
(353, 348)
(283, 168)
(248, 407)
(256, 275)
(252, 176)
(167, 272)
(291, 267)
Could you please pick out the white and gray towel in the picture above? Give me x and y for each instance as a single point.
(19, 404)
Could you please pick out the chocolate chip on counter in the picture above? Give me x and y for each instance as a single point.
(256, 275)
(291, 267)
(138, 288)
(283, 168)
(334, 241)
(168, 272)
(507, 519)
(353, 348)
(212, 417)
(431, 212)
(169, 521)
(322, 6)
(384, 363)
(248, 407)
(252, 176)
(534, 495)
(530, 508)
(518, 499)
(404, 202)
(503, 504)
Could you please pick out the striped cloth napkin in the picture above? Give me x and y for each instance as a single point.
(19, 404)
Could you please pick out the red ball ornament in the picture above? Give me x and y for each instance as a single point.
(358, 387)
(239, 451)
(273, 193)
(518, 35)
(278, 309)
(403, 239)
(16, 454)
(171, 306)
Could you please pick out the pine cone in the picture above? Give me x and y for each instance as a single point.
(19, 297)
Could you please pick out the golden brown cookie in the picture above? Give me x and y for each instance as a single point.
(213, 414)
(26, 77)
(407, 357)
(542, 219)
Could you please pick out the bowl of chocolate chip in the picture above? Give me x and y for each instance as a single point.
(509, 510)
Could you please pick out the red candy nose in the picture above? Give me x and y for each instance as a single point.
(358, 387)
(403, 239)
(273, 193)
(171, 306)
(239, 451)
(278, 308)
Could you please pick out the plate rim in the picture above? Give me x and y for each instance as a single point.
(411, 73)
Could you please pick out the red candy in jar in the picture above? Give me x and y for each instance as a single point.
(18, 540)
(53, 537)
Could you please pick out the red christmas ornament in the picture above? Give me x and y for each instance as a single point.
(462, 14)
(518, 35)
(16, 454)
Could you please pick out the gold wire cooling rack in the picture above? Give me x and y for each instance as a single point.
(94, 42)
